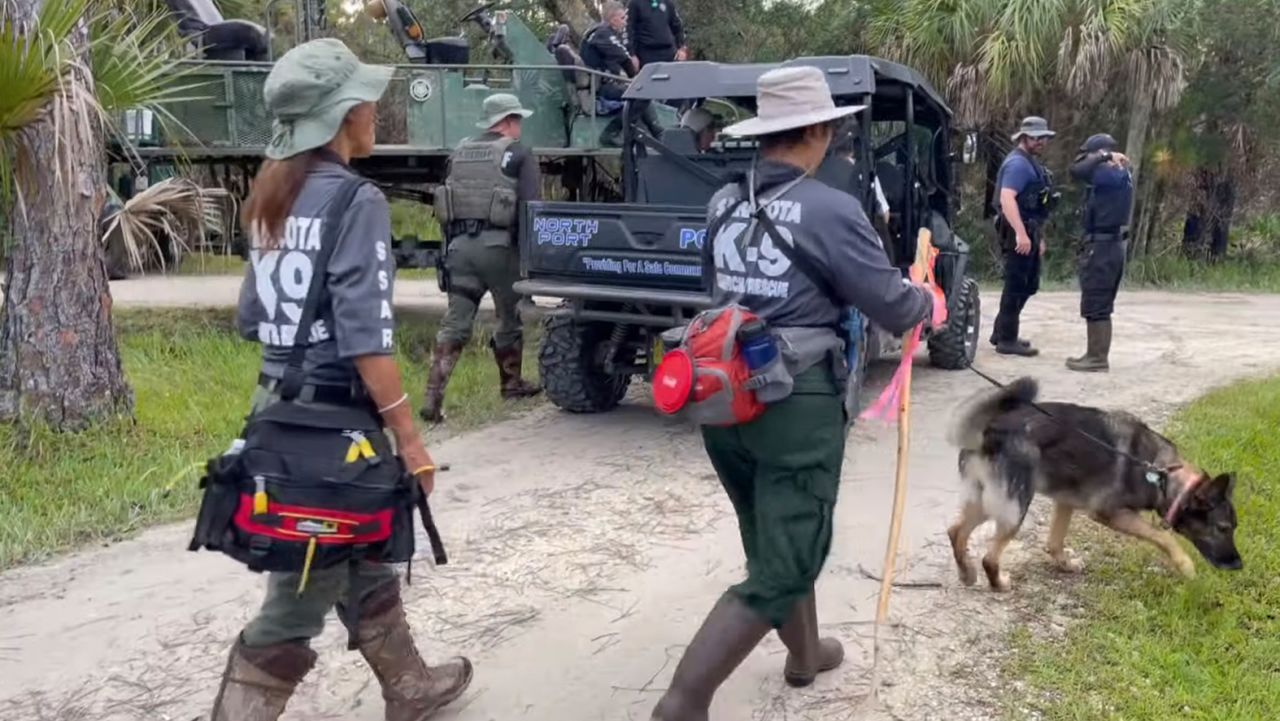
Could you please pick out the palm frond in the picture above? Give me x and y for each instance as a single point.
(177, 210)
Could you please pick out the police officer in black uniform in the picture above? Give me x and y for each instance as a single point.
(655, 32)
(1024, 199)
(1108, 203)
(603, 49)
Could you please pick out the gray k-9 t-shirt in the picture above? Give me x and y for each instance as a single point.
(357, 319)
(834, 231)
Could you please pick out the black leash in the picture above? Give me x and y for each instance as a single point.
(1155, 475)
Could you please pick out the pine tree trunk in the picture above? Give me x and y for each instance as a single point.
(59, 363)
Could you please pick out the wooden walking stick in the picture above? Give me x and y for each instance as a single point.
(899, 390)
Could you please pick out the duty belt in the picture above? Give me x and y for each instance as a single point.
(320, 393)
(1105, 236)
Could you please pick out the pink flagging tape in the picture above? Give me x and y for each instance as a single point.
(886, 406)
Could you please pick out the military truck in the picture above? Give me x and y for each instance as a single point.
(626, 272)
(433, 102)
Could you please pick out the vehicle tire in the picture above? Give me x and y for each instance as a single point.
(570, 373)
(954, 347)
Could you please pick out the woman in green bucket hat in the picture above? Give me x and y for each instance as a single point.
(323, 102)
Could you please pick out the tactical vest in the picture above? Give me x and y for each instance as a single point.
(1106, 208)
(476, 188)
(1033, 200)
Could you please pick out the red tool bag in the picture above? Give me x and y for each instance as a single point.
(705, 378)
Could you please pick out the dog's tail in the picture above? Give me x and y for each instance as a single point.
(972, 417)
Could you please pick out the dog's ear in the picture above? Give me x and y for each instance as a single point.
(1220, 487)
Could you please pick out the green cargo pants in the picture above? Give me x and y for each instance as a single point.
(782, 472)
(477, 266)
(287, 615)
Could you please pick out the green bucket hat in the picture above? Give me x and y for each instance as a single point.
(311, 89)
(498, 106)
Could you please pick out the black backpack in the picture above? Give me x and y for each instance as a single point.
(312, 486)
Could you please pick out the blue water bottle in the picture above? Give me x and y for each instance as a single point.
(759, 348)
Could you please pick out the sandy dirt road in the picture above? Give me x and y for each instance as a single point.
(586, 550)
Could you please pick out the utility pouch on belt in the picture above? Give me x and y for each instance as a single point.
(730, 365)
(706, 378)
(311, 486)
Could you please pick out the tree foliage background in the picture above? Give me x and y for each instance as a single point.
(1190, 88)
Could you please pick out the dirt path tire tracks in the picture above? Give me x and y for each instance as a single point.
(586, 549)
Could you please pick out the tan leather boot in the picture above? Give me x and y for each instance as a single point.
(412, 690)
(258, 682)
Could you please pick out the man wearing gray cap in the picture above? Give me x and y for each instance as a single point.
(796, 253)
(490, 175)
(1024, 199)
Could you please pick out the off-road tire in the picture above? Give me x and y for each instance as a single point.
(566, 364)
(947, 347)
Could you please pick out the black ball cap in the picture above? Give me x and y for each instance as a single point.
(1101, 141)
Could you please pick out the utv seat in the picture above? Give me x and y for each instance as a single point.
(202, 25)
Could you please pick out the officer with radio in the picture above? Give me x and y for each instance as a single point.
(1024, 200)
(490, 177)
(795, 253)
(1108, 203)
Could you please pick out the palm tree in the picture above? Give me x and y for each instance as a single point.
(66, 68)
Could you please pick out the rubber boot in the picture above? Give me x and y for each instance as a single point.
(726, 637)
(1099, 347)
(649, 117)
(807, 655)
(611, 136)
(510, 361)
(443, 361)
(413, 691)
(258, 682)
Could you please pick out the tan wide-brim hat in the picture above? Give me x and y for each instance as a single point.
(789, 98)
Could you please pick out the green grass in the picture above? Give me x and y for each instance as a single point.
(1147, 646)
(192, 378)
(211, 264)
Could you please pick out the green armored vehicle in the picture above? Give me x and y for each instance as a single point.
(431, 105)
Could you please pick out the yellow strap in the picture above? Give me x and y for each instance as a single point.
(353, 453)
(366, 448)
(259, 503)
(306, 566)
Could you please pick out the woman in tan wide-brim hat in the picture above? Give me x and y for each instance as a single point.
(781, 471)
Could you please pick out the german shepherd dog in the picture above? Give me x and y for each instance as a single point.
(1109, 465)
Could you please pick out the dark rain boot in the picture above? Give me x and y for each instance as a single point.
(1095, 358)
(443, 361)
(726, 637)
(258, 682)
(649, 117)
(510, 361)
(807, 655)
(611, 136)
(413, 691)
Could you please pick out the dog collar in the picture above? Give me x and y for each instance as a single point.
(1172, 514)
